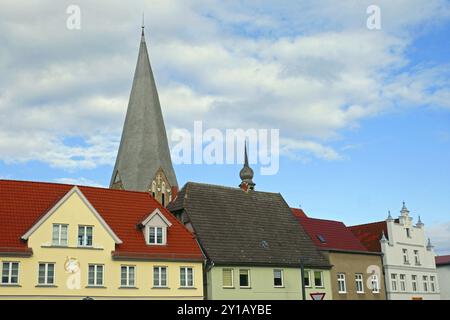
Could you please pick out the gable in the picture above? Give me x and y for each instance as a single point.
(73, 209)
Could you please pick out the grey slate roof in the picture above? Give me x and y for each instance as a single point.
(143, 147)
(231, 226)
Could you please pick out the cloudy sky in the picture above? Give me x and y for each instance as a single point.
(364, 115)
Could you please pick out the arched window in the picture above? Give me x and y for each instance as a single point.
(153, 188)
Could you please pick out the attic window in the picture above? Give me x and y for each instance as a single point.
(155, 228)
(321, 238)
(264, 244)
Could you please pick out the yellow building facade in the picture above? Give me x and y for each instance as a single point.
(83, 264)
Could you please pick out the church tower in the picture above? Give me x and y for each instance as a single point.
(143, 162)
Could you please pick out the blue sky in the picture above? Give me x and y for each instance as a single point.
(364, 115)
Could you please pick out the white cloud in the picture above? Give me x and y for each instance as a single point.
(303, 67)
(79, 182)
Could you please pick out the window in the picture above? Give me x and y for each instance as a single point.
(95, 275)
(46, 274)
(163, 199)
(244, 278)
(416, 257)
(160, 276)
(307, 279)
(414, 283)
(127, 276)
(321, 238)
(59, 235)
(342, 288)
(318, 279)
(433, 283)
(375, 284)
(278, 278)
(359, 283)
(403, 282)
(394, 282)
(227, 278)
(85, 236)
(10, 273)
(405, 256)
(408, 232)
(425, 283)
(186, 277)
(155, 235)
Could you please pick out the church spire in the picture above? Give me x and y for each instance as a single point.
(246, 174)
(144, 157)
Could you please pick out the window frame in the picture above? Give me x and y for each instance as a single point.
(359, 279)
(281, 278)
(322, 285)
(85, 236)
(402, 282)
(96, 266)
(425, 283)
(232, 278)
(249, 285)
(307, 274)
(46, 274)
(10, 273)
(341, 283)
(127, 279)
(394, 282)
(374, 279)
(163, 235)
(414, 283)
(405, 256)
(60, 226)
(159, 285)
(433, 284)
(416, 257)
(186, 277)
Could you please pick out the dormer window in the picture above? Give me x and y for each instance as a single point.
(155, 228)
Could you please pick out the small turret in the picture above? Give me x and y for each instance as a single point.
(246, 174)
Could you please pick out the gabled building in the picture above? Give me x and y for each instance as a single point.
(253, 245)
(143, 161)
(72, 242)
(443, 269)
(408, 257)
(357, 273)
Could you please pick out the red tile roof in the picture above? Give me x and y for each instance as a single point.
(334, 233)
(299, 213)
(23, 203)
(370, 234)
(442, 260)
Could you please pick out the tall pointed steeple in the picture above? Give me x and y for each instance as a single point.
(143, 162)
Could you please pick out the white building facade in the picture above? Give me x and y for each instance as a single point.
(408, 260)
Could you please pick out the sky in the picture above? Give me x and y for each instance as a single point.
(364, 115)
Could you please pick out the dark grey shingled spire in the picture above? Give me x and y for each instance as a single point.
(144, 148)
(246, 174)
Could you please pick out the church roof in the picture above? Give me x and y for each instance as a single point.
(246, 228)
(144, 147)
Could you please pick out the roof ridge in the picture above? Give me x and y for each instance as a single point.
(366, 224)
(226, 187)
(329, 220)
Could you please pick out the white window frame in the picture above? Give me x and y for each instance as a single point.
(159, 276)
(128, 278)
(186, 277)
(342, 285)
(322, 285)
(416, 258)
(402, 279)
(85, 236)
(414, 283)
(282, 278)
(59, 243)
(374, 279)
(405, 256)
(46, 274)
(96, 267)
(249, 279)
(425, 283)
(163, 235)
(232, 277)
(308, 275)
(394, 282)
(359, 281)
(433, 283)
(10, 275)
